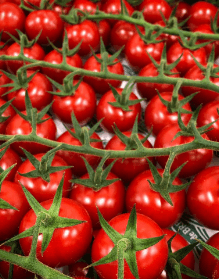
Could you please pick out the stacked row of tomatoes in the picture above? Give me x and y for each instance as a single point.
(97, 98)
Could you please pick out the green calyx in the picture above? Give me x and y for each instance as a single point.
(44, 167)
(97, 178)
(3, 109)
(174, 267)
(126, 245)
(164, 183)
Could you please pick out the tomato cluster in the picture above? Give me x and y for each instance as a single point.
(72, 194)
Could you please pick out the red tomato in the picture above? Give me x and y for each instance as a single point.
(3, 80)
(101, 85)
(3, 52)
(110, 200)
(86, 32)
(196, 159)
(82, 102)
(86, 6)
(152, 10)
(38, 92)
(151, 203)
(150, 261)
(202, 197)
(18, 272)
(13, 194)
(112, 116)
(157, 115)
(9, 112)
(47, 22)
(38, 187)
(215, 273)
(182, 11)
(148, 89)
(178, 243)
(104, 30)
(204, 96)
(127, 169)
(208, 262)
(74, 159)
(136, 52)
(207, 115)
(201, 12)
(33, 52)
(12, 18)
(19, 126)
(8, 159)
(114, 7)
(55, 57)
(78, 269)
(186, 62)
(78, 238)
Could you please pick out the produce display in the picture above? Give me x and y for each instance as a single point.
(109, 139)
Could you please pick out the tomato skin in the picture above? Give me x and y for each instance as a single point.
(39, 188)
(151, 204)
(101, 85)
(3, 80)
(47, 21)
(147, 89)
(2, 52)
(157, 115)
(9, 112)
(82, 103)
(110, 200)
(215, 273)
(204, 96)
(33, 52)
(86, 6)
(18, 272)
(203, 199)
(201, 12)
(178, 243)
(207, 262)
(127, 169)
(8, 159)
(87, 32)
(13, 194)
(38, 92)
(12, 18)
(55, 57)
(186, 61)
(198, 159)
(147, 269)
(152, 10)
(104, 31)
(112, 116)
(77, 269)
(19, 126)
(136, 52)
(74, 159)
(77, 237)
(182, 11)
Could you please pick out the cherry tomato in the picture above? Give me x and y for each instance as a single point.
(157, 116)
(78, 269)
(38, 91)
(152, 10)
(104, 31)
(150, 262)
(78, 238)
(186, 62)
(136, 52)
(127, 169)
(38, 187)
(19, 126)
(182, 11)
(33, 52)
(9, 112)
(47, 22)
(112, 116)
(3, 49)
(12, 18)
(3, 80)
(196, 159)
(110, 200)
(74, 159)
(201, 12)
(82, 102)
(101, 85)
(178, 243)
(10, 218)
(87, 34)
(148, 89)
(151, 203)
